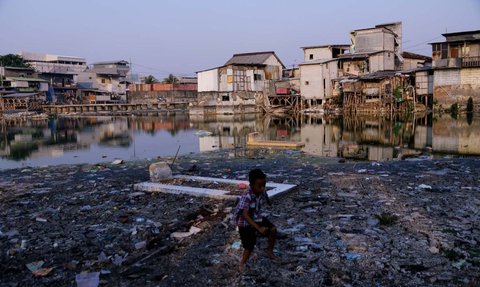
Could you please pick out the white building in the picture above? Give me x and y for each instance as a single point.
(109, 78)
(317, 72)
(54, 64)
(236, 86)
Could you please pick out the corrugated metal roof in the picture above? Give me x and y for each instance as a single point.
(378, 75)
(25, 79)
(110, 62)
(410, 55)
(420, 69)
(19, 68)
(461, 33)
(326, 46)
(255, 58)
(208, 69)
(375, 76)
(360, 55)
(19, 95)
(319, 61)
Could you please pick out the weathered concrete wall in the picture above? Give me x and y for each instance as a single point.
(208, 80)
(375, 39)
(218, 110)
(226, 102)
(157, 97)
(330, 72)
(369, 40)
(317, 53)
(311, 85)
(423, 83)
(376, 63)
(457, 86)
(409, 64)
(353, 67)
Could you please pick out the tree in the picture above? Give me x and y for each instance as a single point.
(12, 60)
(171, 79)
(150, 79)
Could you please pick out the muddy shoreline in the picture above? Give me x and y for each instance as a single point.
(399, 223)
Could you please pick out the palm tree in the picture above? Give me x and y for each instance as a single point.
(150, 79)
(171, 79)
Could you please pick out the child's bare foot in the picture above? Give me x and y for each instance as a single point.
(254, 257)
(241, 268)
(273, 257)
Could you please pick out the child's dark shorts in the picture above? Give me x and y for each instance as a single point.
(248, 234)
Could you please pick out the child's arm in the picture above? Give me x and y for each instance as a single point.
(267, 198)
(250, 221)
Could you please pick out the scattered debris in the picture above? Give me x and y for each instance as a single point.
(40, 219)
(37, 270)
(140, 245)
(236, 244)
(352, 256)
(88, 279)
(335, 228)
(425, 186)
(180, 235)
(160, 171)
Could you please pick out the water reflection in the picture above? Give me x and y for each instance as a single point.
(362, 137)
(92, 139)
(96, 139)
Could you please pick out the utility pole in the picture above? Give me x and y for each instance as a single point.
(1, 74)
(2, 70)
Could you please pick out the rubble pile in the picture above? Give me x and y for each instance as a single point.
(402, 223)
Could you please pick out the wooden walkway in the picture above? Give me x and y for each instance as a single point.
(111, 108)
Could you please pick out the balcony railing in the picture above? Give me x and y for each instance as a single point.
(471, 62)
(457, 62)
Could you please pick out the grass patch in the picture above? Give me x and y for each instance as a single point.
(453, 255)
(386, 219)
(450, 230)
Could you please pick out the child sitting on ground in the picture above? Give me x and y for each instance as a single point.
(249, 217)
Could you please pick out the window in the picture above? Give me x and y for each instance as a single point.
(311, 57)
(454, 51)
(257, 77)
(103, 81)
(324, 88)
(307, 83)
(225, 98)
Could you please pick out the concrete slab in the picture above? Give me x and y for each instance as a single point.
(277, 188)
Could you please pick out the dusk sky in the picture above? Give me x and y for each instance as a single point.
(181, 37)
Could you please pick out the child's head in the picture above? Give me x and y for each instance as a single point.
(257, 180)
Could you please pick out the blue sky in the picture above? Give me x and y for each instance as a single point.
(182, 37)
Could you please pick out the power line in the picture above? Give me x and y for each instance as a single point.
(150, 68)
(162, 72)
(422, 43)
